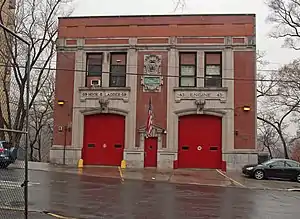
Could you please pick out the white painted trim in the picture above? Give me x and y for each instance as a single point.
(200, 68)
(79, 80)
(193, 111)
(93, 111)
(132, 81)
(173, 69)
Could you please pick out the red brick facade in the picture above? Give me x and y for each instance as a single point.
(227, 41)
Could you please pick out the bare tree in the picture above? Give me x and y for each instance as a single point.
(266, 80)
(289, 84)
(267, 138)
(41, 121)
(280, 102)
(278, 123)
(285, 16)
(36, 21)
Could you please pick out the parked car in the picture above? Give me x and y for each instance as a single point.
(274, 168)
(8, 154)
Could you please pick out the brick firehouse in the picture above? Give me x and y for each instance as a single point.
(195, 73)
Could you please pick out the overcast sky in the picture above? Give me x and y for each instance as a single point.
(276, 55)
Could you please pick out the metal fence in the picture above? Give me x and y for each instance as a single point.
(14, 123)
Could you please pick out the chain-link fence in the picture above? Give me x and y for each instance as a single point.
(14, 101)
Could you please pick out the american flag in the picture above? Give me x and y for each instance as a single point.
(149, 119)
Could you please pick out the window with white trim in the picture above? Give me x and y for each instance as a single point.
(187, 69)
(117, 76)
(213, 69)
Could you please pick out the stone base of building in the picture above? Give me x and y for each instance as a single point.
(135, 159)
(235, 160)
(72, 155)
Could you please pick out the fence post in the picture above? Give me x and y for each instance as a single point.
(27, 73)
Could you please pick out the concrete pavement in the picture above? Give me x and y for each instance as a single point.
(180, 176)
(89, 192)
(203, 177)
(88, 197)
(16, 214)
(261, 184)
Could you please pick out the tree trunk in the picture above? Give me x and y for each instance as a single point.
(286, 154)
(31, 152)
(40, 146)
(270, 152)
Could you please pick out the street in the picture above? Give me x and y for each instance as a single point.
(82, 196)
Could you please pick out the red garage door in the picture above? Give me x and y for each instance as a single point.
(103, 139)
(200, 138)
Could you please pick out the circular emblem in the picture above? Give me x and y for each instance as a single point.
(104, 146)
(199, 148)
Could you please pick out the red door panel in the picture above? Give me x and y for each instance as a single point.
(104, 136)
(199, 143)
(150, 152)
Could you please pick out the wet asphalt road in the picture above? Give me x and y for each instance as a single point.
(94, 197)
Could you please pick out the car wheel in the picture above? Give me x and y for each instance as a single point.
(259, 174)
(298, 178)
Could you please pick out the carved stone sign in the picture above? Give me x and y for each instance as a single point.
(113, 95)
(206, 95)
(152, 79)
(152, 83)
(152, 64)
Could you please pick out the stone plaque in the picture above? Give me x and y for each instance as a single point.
(152, 79)
(112, 95)
(152, 83)
(206, 95)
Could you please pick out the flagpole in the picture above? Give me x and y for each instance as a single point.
(149, 118)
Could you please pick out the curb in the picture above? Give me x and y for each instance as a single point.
(231, 179)
(57, 215)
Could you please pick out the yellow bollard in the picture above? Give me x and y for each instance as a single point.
(123, 164)
(80, 163)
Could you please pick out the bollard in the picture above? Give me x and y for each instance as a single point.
(123, 164)
(80, 163)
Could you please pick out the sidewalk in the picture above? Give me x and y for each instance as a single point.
(181, 176)
(187, 176)
(17, 214)
(261, 184)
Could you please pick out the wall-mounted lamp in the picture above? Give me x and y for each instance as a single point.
(61, 102)
(246, 108)
(118, 60)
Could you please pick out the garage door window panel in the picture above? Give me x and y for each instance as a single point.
(213, 148)
(185, 148)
